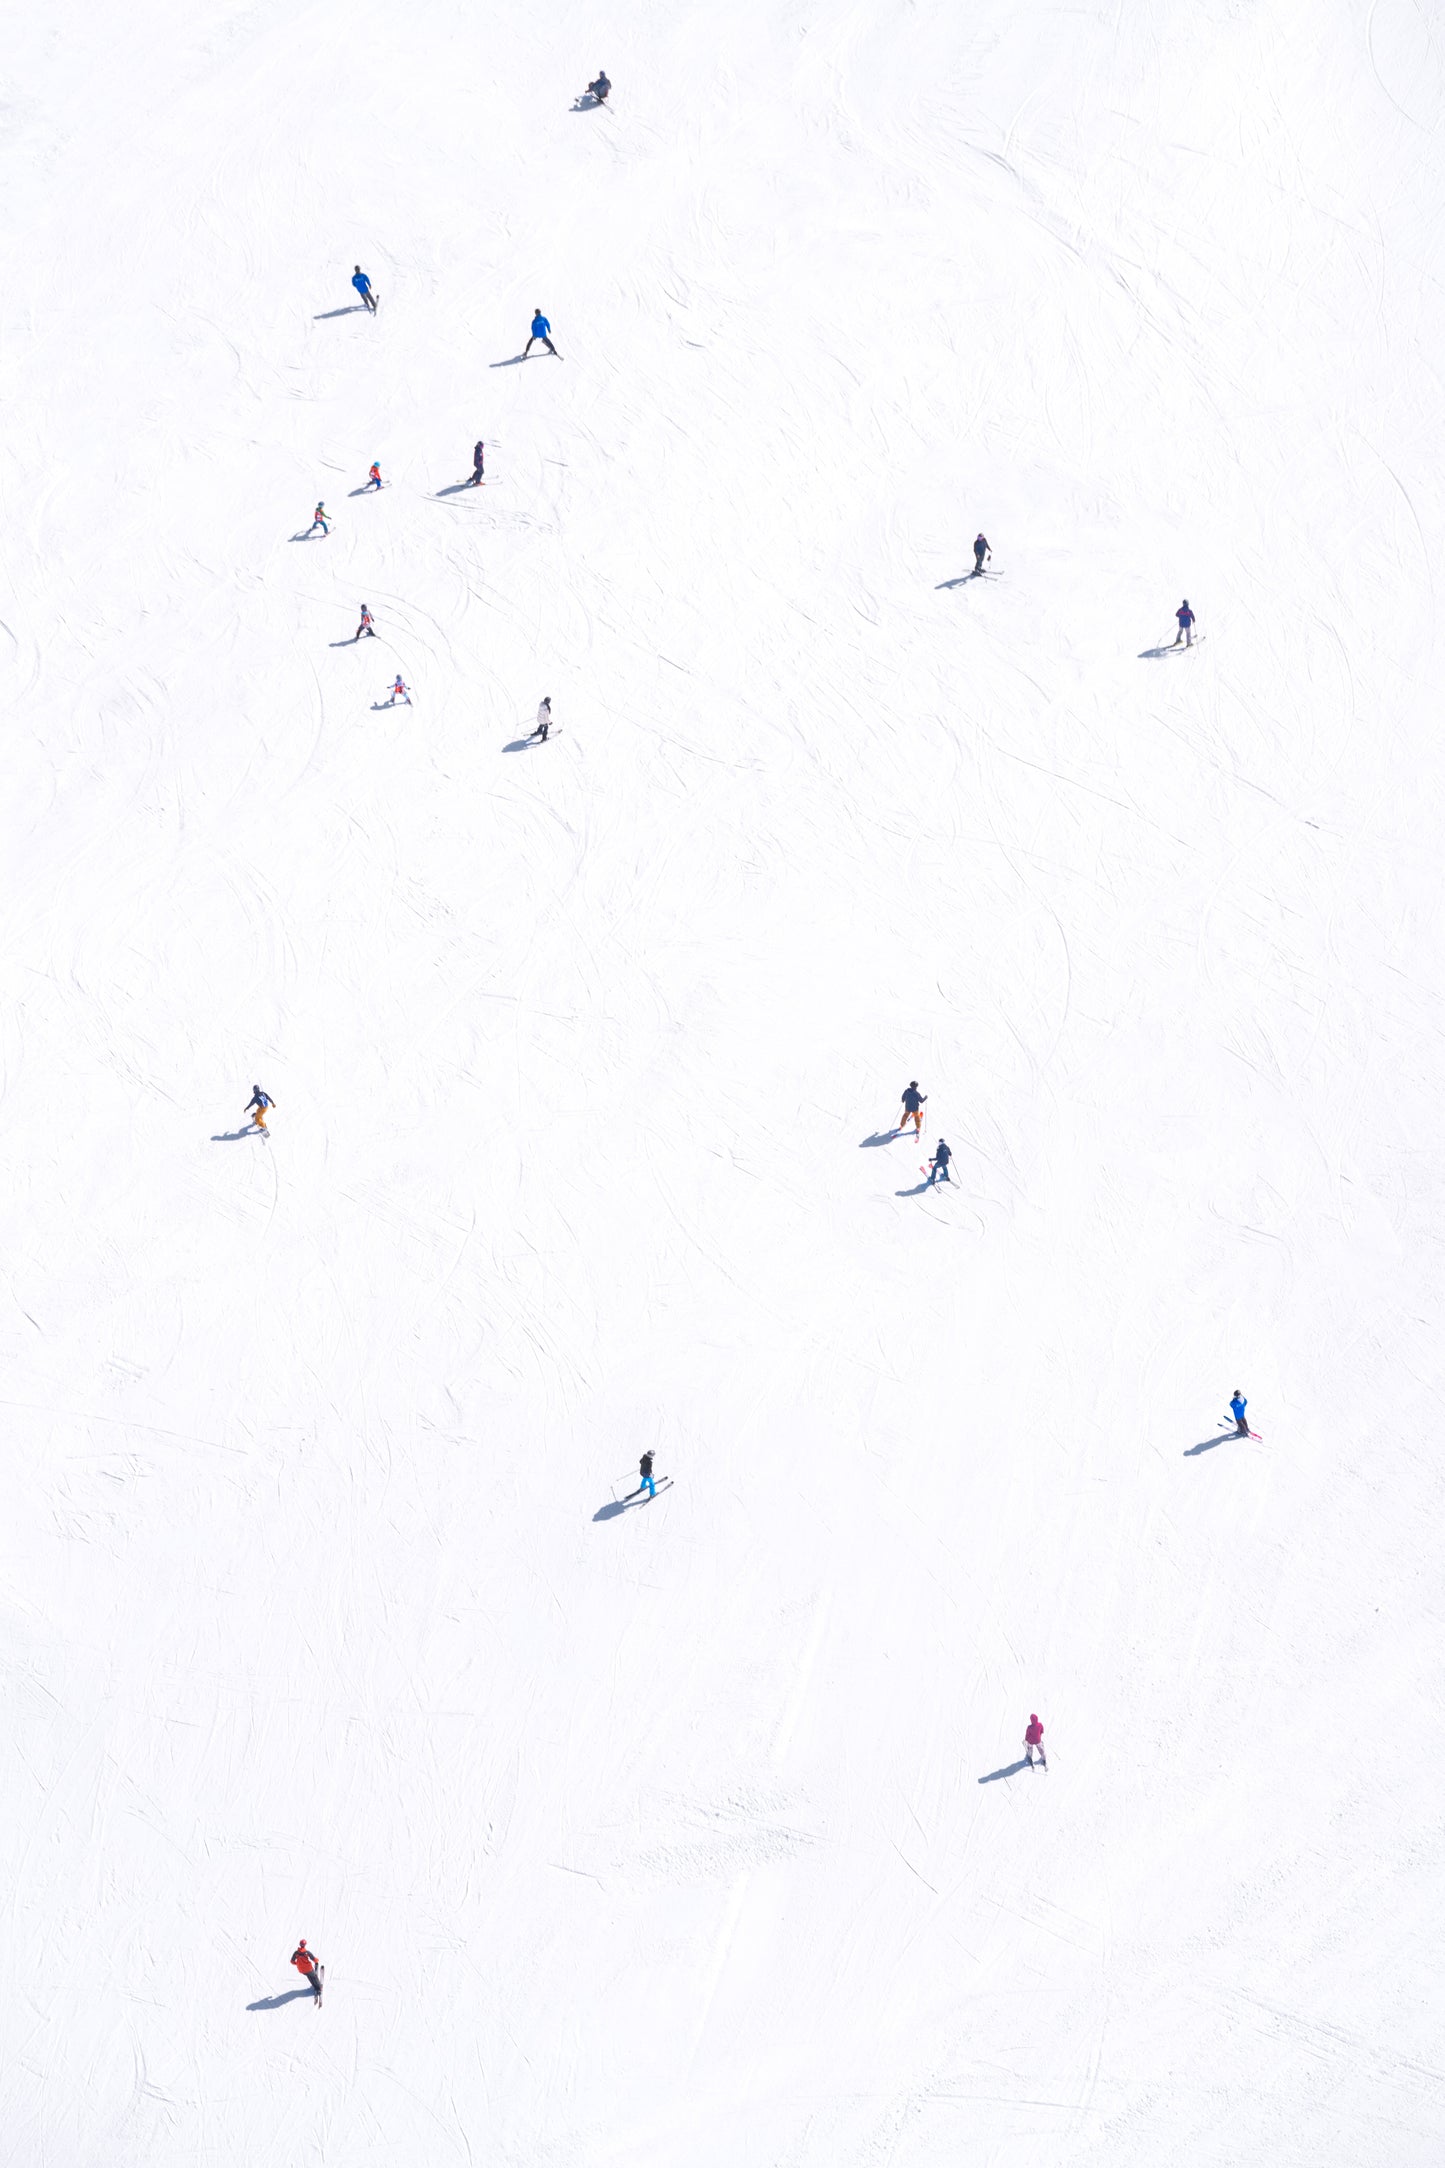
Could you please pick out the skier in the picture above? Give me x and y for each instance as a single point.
(544, 719)
(939, 1163)
(1034, 1737)
(256, 1107)
(321, 519)
(1185, 618)
(600, 88)
(373, 480)
(980, 551)
(363, 286)
(305, 1962)
(913, 1103)
(366, 626)
(1237, 1407)
(399, 692)
(478, 462)
(542, 330)
(644, 1469)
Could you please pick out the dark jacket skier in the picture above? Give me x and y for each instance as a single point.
(644, 1469)
(913, 1103)
(938, 1165)
(980, 551)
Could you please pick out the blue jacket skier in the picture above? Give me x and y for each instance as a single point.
(542, 330)
(1237, 1407)
(363, 286)
(938, 1165)
(1185, 617)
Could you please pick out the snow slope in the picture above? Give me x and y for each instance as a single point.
(692, 1833)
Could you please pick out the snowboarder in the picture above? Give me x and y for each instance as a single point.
(478, 463)
(1185, 617)
(942, 1154)
(544, 719)
(256, 1106)
(319, 518)
(399, 692)
(644, 1469)
(373, 480)
(542, 330)
(306, 1964)
(913, 1103)
(363, 286)
(600, 88)
(1237, 1407)
(1034, 1737)
(980, 551)
(366, 626)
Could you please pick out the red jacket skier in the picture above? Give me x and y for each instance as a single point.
(306, 1965)
(1034, 1737)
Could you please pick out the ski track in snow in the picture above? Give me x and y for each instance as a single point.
(695, 1832)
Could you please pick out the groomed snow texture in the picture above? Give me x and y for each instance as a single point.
(692, 1834)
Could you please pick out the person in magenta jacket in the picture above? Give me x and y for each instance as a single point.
(1034, 1737)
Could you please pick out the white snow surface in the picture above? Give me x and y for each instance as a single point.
(673, 1836)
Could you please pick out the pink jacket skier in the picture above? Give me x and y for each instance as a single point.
(1034, 1737)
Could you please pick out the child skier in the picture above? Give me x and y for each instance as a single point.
(542, 330)
(305, 1962)
(1034, 1737)
(373, 480)
(363, 286)
(544, 719)
(399, 692)
(938, 1165)
(1237, 1407)
(366, 626)
(1185, 617)
(319, 518)
(256, 1107)
(478, 464)
(645, 1471)
(913, 1104)
(980, 551)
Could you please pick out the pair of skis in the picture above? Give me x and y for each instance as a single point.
(1257, 1435)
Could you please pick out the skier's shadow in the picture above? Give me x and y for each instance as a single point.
(520, 745)
(884, 1136)
(586, 103)
(1152, 654)
(307, 535)
(964, 579)
(384, 707)
(326, 314)
(610, 1511)
(365, 490)
(1011, 1771)
(274, 2002)
(1207, 1445)
(454, 488)
(232, 1136)
(918, 1189)
(510, 362)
